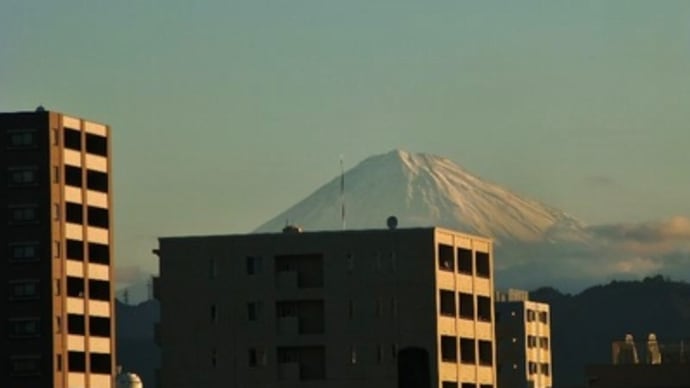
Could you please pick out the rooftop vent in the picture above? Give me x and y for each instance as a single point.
(292, 229)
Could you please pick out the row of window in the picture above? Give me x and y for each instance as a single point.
(32, 365)
(21, 138)
(453, 384)
(469, 353)
(466, 309)
(537, 342)
(539, 368)
(95, 144)
(95, 180)
(95, 216)
(28, 289)
(76, 324)
(29, 251)
(542, 316)
(468, 263)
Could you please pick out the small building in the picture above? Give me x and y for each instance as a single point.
(523, 341)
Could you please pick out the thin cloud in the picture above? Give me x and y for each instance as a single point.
(600, 181)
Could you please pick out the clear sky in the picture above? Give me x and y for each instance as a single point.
(224, 113)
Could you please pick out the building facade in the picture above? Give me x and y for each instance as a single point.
(523, 341)
(57, 295)
(374, 308)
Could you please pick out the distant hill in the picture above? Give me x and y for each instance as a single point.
(584, 325)
(136, 349)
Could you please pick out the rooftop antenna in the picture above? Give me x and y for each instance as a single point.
(342, 192)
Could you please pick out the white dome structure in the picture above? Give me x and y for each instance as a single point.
(127, 380)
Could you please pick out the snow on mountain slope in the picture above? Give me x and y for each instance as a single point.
(427, 190)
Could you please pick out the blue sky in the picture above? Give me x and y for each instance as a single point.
(225, 113)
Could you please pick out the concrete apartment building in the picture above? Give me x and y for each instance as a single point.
(523, 341)
(367, 308)
(57, 328)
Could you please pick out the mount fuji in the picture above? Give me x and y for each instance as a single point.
(428, 190)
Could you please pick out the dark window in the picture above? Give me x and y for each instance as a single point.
(75, 249)
(23, 214)
(74, 213)
(486, 386)
(73, 176)
(468, 385)
(21, 138)
(252, 357)
(485, 353)
(447, 301)
(465, 261)
(25, 365)
(531, 341)
(22, 176)
(449, 384)
(75, 287)
(25, 327)
(544, 369)
(445, 258)
(24, 251)
(76, 362)
(466, 305)
(96, 144)
(467, 351)
(544, 342)
(251, 311)
(99, 253)
(543, 317)
(24, 289)
(531, 315)
(483, 265)
(96, 180)
(99, 326)
(99, 289)
(98, 217)
(484, 308)
(72, 139)
(532, 367)
(214, 313)
(253, 265)
(100, 363)
(449, 348)
(76, 324)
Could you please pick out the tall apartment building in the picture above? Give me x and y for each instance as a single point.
(57, 329)
(369, 308)
(523, 341)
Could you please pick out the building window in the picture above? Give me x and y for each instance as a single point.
(253, 265)
(257, 357)
(76, 361)
(75, 287)
(483, 264)
(353, 355)
(76, 324)
(98, 217)
(531, 316)
(484, 308)
(99, 253)
(447, 303)
(379, 354)
(23, 251)
(486, 386)
(58, 363)
(24, 289)
(531, 341)
(214, 313)
(212, 269)
(445, 258)
(544, 317)
(23, 214)
(21, 138)
(544, 369)
(73, 176)
(74, 213)
(468, 385)
(214, 358)
(485, 353)
(532, 367)
(99, 326)
(544, 342)
(96, 180)
(75, 249)
(99, 289)
(449, 348)
(22, 176)
(466, 305)
(449, 384)
(465, 261)
(253, 361)
(467, 351)
(350, 309)
(24, 327)
(72, 139)
(254, 311)
(96, 144)
(100, 363)
(25, 365)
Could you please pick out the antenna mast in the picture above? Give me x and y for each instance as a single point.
(342, 192)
